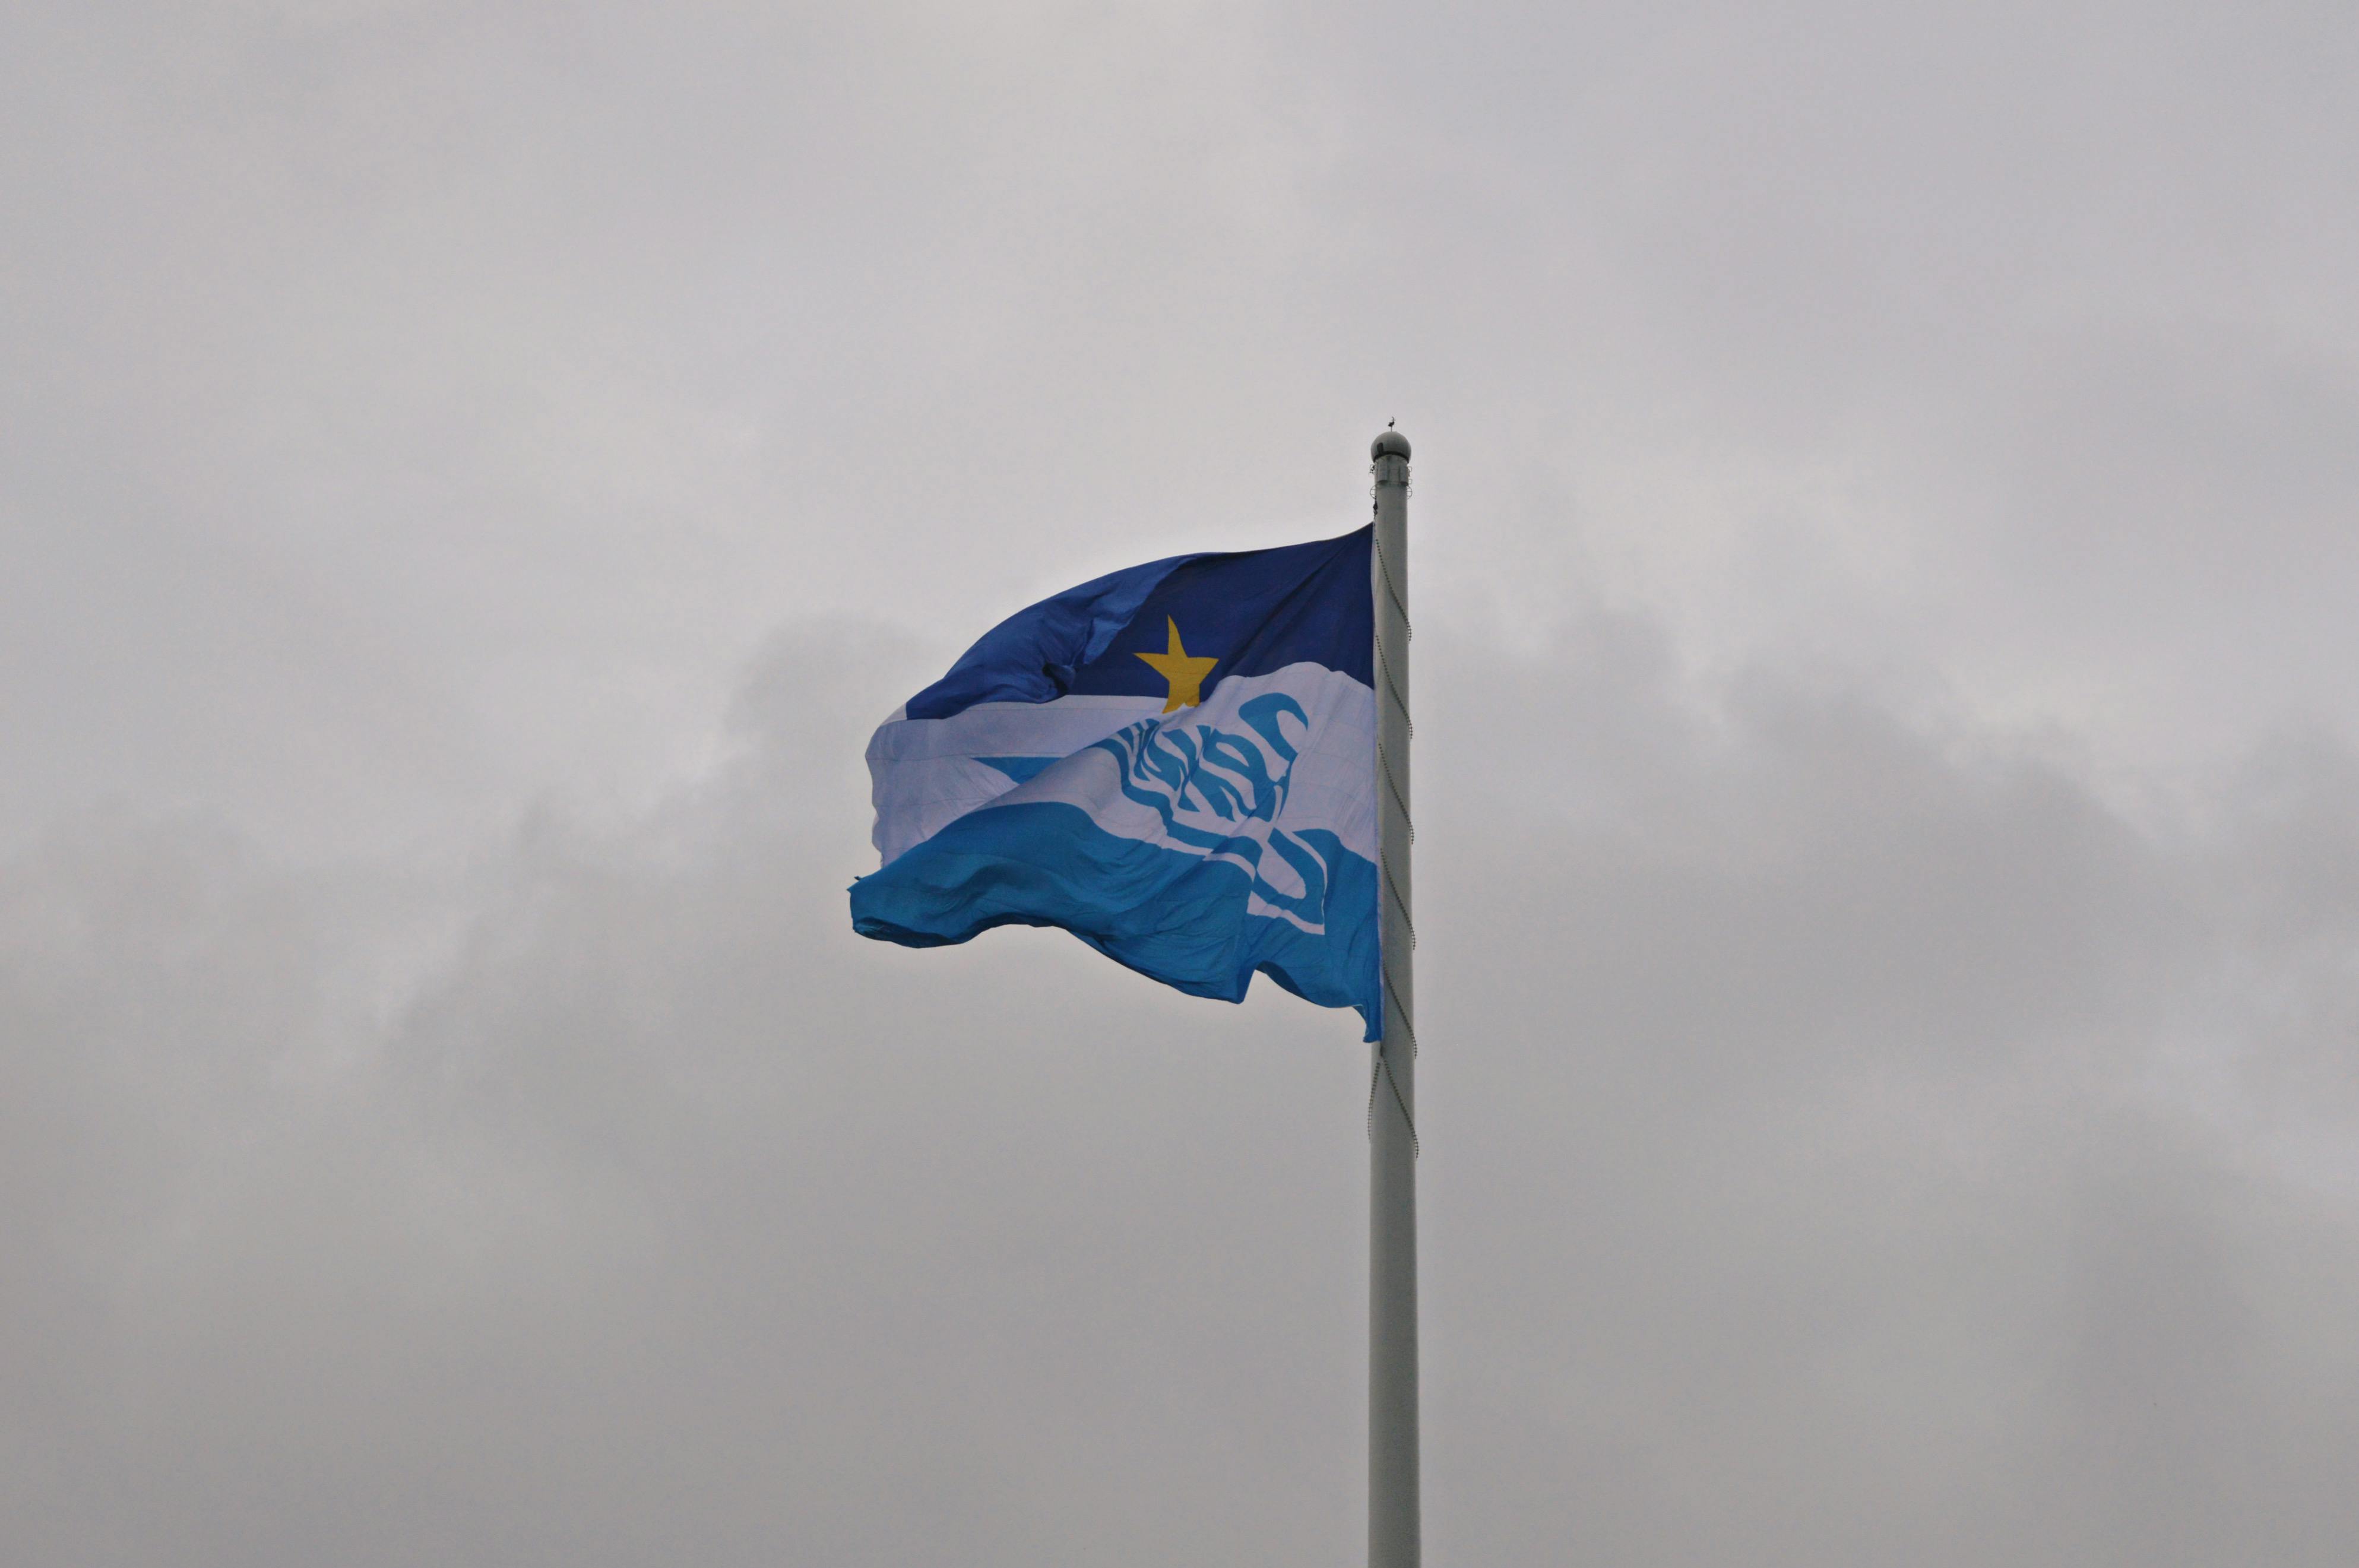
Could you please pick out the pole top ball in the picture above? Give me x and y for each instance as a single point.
(1392, 443)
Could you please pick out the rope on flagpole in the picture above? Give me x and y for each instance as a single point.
(1407, 1026)
(1394, 785)
(1384, 1070)
(1409, 634)
(1387, 866)
(1408, 630)
(1393, 1531)
(1394, 686)
(1382, 1067)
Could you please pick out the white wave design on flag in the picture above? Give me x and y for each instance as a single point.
(1273, 773)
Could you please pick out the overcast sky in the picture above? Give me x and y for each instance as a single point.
(472, 476)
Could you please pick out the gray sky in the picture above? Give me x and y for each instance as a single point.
(472, 476)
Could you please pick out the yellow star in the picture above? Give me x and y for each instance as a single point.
(1186, 674)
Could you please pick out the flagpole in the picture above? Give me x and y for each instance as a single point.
(1393, 1522)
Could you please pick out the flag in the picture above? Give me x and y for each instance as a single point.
(1174, 762)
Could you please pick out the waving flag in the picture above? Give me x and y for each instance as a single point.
(1174, 762)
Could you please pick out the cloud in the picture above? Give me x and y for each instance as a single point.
(473, 476)
(1816, 1170)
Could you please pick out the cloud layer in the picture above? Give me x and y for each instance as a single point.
(1845, 1141)
(1889, 825)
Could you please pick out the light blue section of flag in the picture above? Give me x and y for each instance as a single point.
(1183, 918)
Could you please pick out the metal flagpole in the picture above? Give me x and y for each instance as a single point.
(1393, 1526)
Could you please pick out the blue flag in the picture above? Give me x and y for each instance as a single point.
(1174, 762)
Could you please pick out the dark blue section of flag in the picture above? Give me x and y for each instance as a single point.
(1255, 610)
